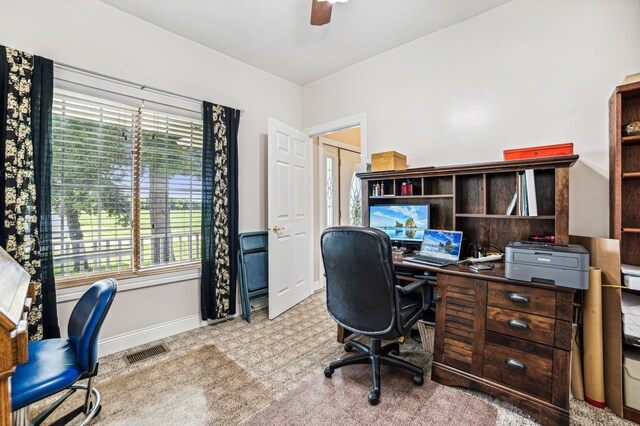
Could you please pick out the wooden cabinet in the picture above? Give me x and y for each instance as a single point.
(624, 172)
(15, 300)
(459, 328)
(624, 217)
(508, 339)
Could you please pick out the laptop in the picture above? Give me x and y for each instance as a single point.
(439, 248)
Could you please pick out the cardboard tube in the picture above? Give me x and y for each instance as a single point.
(577, 383)
(593, 341)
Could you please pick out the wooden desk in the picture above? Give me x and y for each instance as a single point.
(15, 300)
(507, 338)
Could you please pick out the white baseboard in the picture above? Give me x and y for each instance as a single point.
(144, 335)
(148, 334)
(316, 286)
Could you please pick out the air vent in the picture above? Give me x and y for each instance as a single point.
(145, 354)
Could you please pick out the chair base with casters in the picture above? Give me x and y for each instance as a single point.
(57, 365)
(375, 355)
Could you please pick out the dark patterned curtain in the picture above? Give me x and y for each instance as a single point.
(219, 211)
(26, 90)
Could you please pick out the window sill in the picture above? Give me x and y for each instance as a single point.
(73, 288)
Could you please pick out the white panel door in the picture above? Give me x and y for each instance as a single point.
(289, 215)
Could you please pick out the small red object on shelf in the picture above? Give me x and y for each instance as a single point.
(539, 151)
(543, 238)
(407, 188)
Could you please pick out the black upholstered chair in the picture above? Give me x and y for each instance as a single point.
(364, 297)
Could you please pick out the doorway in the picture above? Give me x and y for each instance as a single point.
(338, 161)
(332, 129)
(337, 197)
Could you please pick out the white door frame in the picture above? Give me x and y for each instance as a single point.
(359, 120)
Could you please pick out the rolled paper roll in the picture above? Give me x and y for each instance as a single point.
(593, 341)
(577, 383)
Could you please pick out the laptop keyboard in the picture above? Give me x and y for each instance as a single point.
(428, 259)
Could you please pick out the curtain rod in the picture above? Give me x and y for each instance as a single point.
(142, 86)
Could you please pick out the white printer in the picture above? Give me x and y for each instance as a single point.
(565, 265)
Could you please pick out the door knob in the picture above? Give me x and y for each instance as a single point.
(276, 229)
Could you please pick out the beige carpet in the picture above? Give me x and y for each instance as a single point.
(200, 387)
(284, 353)
(342, 400)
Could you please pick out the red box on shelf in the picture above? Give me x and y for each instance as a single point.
(539, 151)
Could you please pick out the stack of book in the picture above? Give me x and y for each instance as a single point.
(631, 276)
(524, 202)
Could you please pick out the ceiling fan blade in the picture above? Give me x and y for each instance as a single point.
(320, 12)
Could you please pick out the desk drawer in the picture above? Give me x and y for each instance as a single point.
(519, 324)
(523, 299)
(519, 364)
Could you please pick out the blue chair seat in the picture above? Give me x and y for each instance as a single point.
(52, 366)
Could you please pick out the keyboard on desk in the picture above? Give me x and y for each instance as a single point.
(428, 260)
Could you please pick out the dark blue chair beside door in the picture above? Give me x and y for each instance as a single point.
(56, 365)
(253, 264)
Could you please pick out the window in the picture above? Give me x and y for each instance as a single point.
(126, 185)
(170, 189)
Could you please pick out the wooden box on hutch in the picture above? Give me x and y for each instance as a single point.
(390, 160)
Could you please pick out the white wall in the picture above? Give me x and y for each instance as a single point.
(97, 37)
(531, 72)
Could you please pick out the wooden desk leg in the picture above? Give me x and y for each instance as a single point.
(5, 403)
(342, 334)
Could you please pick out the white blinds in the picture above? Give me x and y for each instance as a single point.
(126, 186)
(91, 184)
(170, 189)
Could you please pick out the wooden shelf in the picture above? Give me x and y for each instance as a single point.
(631, 230)
(631, 140)
(504, 216)
(470, 198)
(634, 175)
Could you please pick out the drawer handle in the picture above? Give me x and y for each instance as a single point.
(518, 298)
(519, 324)
(515, 364)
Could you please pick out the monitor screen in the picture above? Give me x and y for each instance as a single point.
(401, 222)
(442, 244)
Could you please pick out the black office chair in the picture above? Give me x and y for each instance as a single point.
(363, 297)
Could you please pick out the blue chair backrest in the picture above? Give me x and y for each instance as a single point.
(86, 320)
(255, 258)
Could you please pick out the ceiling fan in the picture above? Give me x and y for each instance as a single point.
(321, 11)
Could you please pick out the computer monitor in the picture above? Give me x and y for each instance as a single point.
(442, 244)
(401, 222)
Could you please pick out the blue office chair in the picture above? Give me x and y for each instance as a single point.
(253, 264)
(56, 365)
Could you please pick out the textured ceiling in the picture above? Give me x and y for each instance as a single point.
(275, 35)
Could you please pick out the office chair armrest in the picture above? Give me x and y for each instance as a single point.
(407, 289)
